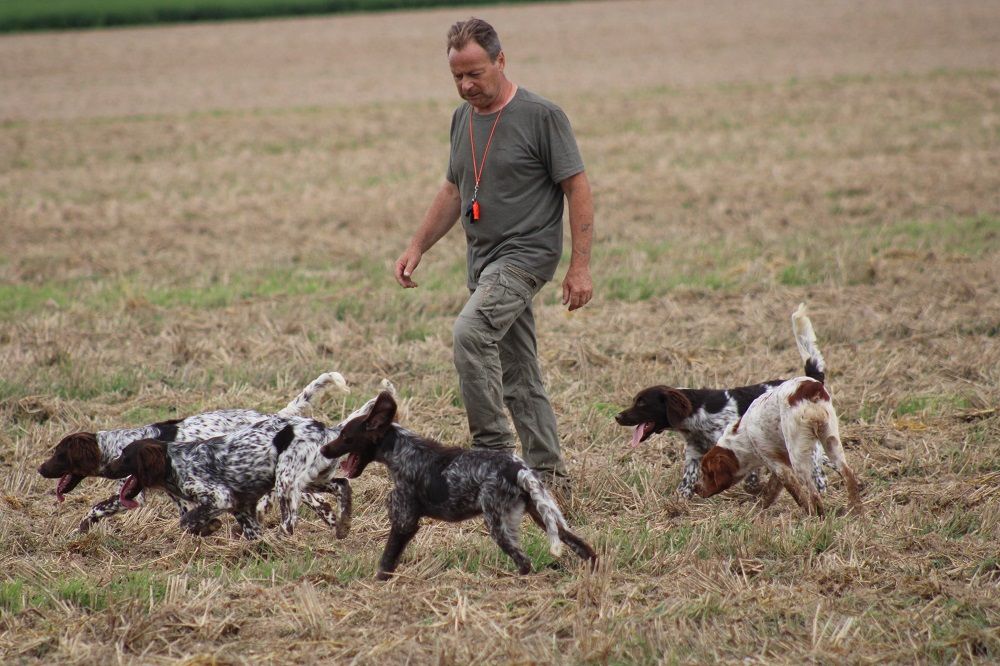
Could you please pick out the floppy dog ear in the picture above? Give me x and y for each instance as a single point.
(382, 414)
(151, 464)
(82, 452)
(678, 406)
(718, 471)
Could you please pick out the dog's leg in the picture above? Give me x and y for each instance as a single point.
(344, 492)
(263, 505)
(288, 503)
(835, 451)
(579, 546)
(791, 484)
(100, 511)
(499, 525)
(752, 484)
(771, 490)
(201, 520)
(819, 459)
(803, 470)
(829, 437)
(692, 471)
(404, 521)
(248, 523)
(853, 489)
(321, 508)
(399, 536)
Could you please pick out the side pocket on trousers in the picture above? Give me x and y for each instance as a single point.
(505, 301)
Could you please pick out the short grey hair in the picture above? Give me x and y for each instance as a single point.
(474, 30)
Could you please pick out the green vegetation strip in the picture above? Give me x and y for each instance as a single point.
(18, 15)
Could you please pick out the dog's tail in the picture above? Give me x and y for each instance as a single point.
(315, 389)
(546, 506)
(805, 340)
(365, 409)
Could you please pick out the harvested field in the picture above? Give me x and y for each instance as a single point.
(206, 216)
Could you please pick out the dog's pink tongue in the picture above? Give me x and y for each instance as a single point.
(637, 434)
(128, 487)
(63, 482)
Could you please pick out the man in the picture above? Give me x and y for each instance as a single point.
(513, 159)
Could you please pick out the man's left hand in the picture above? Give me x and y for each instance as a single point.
(577, 288)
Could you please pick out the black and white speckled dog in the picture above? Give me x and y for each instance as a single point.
(701, 415)
(450, 483)
(229, 473)
(304, 468)
(84, 454)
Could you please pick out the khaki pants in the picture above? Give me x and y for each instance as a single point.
(496, 357)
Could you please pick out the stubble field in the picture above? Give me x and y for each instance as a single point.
(205, 217)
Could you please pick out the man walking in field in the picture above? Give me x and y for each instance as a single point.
(513, 159)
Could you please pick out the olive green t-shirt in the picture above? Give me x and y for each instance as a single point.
(521, 202)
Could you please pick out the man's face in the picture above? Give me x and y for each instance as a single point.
(478, 79)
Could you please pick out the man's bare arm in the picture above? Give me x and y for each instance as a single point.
(440, 218)
(577, 286)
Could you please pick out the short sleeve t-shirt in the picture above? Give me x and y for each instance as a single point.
(521, 201)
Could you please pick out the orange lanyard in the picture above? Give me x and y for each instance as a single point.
(477, 170)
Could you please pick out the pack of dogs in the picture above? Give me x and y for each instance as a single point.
(241, 461)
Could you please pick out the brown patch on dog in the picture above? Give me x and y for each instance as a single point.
(145, 459)
(736, 426)
(151, 465)
(718, 471)
(810, 390)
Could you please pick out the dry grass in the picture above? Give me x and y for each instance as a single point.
(167, 253)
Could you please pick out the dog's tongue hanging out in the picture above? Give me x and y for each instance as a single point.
(639, 432)
(61, 486)
(129, 490)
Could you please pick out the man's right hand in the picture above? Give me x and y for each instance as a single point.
(405, 265)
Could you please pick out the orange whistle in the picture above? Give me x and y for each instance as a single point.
(475, 210)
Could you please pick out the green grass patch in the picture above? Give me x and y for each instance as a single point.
(815, 536)
(799, 275)
(638, 545)
(965, 236)
(932, 405)
(81, 592)
(11, 596)
(149, 414)
(953, 526)
(138, 585)
(102, 295)
(18, 298)
(17, 15)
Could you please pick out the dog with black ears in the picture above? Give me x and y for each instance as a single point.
(451, 484)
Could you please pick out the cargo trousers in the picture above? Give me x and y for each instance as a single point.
(496, 356)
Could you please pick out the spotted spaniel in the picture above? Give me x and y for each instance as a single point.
(222, 474)
(701, 415)
(83, 454)
(306, 468)
(452, 484)
(780, 431)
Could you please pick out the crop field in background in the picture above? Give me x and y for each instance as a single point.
(206, 217)
(18, 15)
